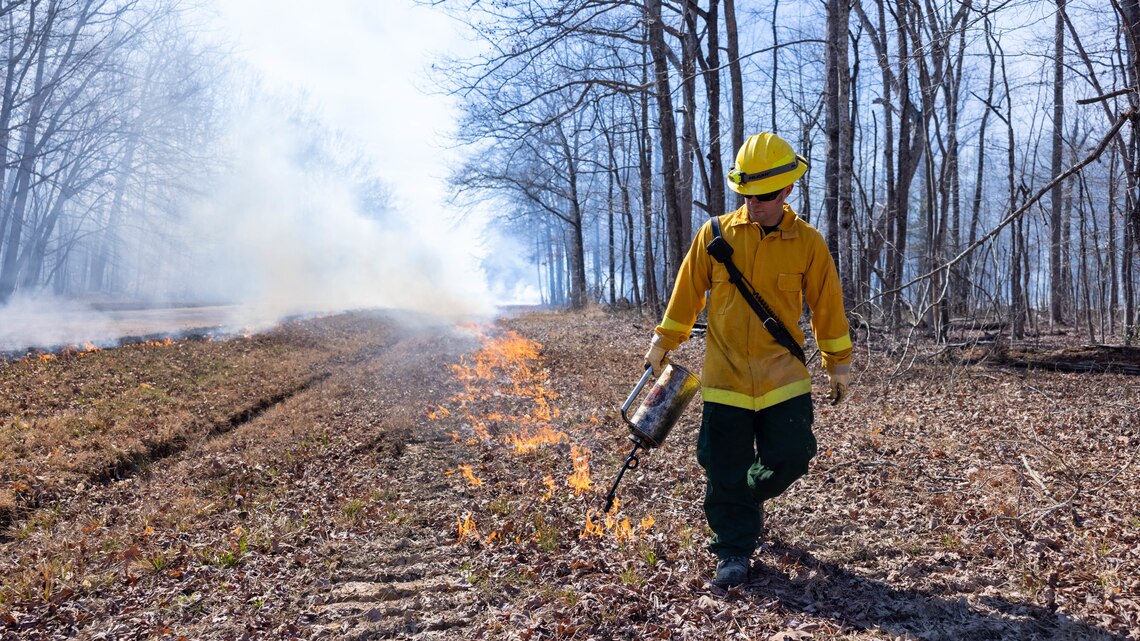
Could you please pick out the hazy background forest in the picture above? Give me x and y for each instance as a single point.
(147, 160)
(972, 164)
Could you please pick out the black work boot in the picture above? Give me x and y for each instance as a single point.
(731, 571)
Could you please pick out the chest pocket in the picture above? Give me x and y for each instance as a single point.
(789, 283)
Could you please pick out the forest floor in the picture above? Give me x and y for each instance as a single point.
(375, 475)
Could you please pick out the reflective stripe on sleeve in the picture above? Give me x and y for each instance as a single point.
(673, 326)
(755, 403)
(832, 345)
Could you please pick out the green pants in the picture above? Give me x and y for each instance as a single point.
(750, 457)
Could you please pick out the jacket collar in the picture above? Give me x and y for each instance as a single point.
(788, 228)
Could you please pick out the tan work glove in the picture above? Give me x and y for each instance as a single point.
(655, 357)
(839, 383)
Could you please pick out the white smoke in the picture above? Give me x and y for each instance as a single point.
(284, 230)
(46, 321)
(284, 234)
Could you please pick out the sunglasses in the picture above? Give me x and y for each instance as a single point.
(763, 197)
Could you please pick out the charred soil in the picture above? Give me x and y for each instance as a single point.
(378, 476)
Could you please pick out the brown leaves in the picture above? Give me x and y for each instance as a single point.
(920, 513)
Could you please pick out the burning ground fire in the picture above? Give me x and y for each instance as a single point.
(508, 407)
(79, 351)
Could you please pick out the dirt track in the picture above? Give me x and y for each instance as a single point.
(378, 481)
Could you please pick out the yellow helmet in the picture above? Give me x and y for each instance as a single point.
(765, 164)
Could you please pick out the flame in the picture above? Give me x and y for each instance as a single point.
(622, 530)
(507, 365)
(528, 441)
(469, 475)
(580, 479)
(504, 366)
(549, 483)
(46, 357)
(467, 528)
(479, 432)
(592, 529)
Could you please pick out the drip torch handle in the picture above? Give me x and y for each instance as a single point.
(636, 390)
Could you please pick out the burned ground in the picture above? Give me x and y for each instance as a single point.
(355, 477)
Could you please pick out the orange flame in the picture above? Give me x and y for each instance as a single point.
(549, 483)
(467, 528)
(580, 479)
(592, 529)
(528, 441)
(470, 476)
(503, 366)
(623, 530)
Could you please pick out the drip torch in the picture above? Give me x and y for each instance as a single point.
(656, 416)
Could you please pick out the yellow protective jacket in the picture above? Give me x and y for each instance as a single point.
(744, 365)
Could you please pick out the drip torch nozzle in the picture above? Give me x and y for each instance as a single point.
(631, 463)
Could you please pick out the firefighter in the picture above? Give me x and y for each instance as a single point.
(756, 430)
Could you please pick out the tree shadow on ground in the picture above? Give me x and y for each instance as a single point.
(825, 589)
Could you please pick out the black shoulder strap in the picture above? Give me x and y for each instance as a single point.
(722, 252)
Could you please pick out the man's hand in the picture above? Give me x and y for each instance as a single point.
(655, 357)
(839, 383)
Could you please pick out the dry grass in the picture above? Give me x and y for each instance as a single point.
(92, 416)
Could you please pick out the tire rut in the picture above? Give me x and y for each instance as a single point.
(411, 587)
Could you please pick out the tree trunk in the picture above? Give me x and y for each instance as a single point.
(689, 51)
(627, 208)
(837, 177)
(577, 239)
(645, 166)
(712, 96)
(22, 180)
(773, 102)
(979, 175)
(736, 85)
(1057, 295)
(667, 127)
